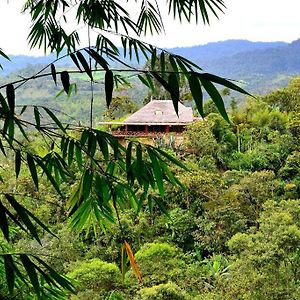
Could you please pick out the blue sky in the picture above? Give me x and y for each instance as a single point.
(255, 20)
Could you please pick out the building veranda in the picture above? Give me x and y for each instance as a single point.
(156, 119)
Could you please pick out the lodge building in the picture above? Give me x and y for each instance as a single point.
(156, 118)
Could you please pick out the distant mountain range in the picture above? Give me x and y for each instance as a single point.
(18, 62)
(260, 65)
(261, 69)
(217, 50)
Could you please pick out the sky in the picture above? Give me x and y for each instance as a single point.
(254, 20)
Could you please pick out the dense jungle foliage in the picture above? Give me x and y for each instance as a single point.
(232, 231)
(83, 216)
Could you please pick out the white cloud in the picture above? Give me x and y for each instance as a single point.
(257, 20)
(14, 28)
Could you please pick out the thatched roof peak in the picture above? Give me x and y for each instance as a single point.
(161, 112)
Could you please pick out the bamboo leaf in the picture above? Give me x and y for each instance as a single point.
(4, 105)
(153, 58)
(3, 222)
(9, 272)
(10, 94)
(2, 148)
(23, 109)
(49, 176)
(37, 117)
(32, 169)
(174, 86)
(31, 272)
(182, 68)
(54, 118)
(171, 158)
(53, 73)
(11, 129)
(109, 86)
(75, 197)
(64, 142)
(162, 207)
(87, 183)
(18, 160)
(84, 137)
(224, 82)
(85, 64)
(157, 171)
(170, 175)
(74, 58)
(128, 156)
(216, 97)
(91, 148)
(197, 94)
(150, 81)
(173, 64)
(142, 199)
(70, 152)
(102, 142)
(139, 160)
(14, 219)
(32, 216)
(189, 64)
(78, 155)
(25, 215)
(143, 80)
(4, 55)
(61, 280)
(98, 58)
(65, 79)
(161, 80)
(133, 261)
(18, 123)
(162, 62)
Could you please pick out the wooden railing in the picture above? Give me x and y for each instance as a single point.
(141, 134)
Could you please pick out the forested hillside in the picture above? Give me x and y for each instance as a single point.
(230, 231)
(261, 70)
(75, 106)
(201, 53)
(260, 67)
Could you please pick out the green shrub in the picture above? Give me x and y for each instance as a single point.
(159, 263)
(167, 291)
(200, 139)
(96, 275)
(92, 295)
